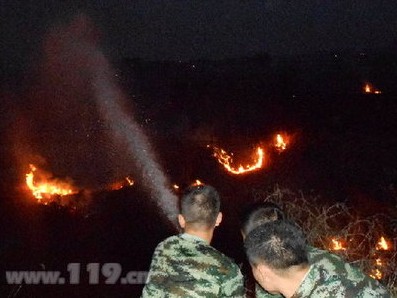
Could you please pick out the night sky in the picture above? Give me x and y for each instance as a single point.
(182, 30)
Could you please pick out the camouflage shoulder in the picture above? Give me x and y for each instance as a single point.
(315, 254)
(229, 274)
(321, 283)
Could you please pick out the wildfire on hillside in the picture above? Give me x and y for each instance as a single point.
(178, 188)
(226, 160)
(280, 142)
(257, 159)
(370, 89)
(376, 272)
(197, 182)
(337, 245)
(379, 267)
(45, 188)
(127, 181)
(382, 244)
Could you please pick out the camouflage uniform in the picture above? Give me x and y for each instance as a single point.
(186, 266)
(330, 276)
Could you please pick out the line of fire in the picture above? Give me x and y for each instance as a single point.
(46, 189)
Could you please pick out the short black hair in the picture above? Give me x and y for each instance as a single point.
(259, 213)
(200, 205)
(279, 244)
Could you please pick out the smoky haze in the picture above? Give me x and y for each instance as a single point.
(75, 121)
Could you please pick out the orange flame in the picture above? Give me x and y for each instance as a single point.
(337, 245)
(382, 244)
(127, 181)
(376, 273)
(280, 143)
(47, 188)
(197, 182)
(369, 88)
(226, 160)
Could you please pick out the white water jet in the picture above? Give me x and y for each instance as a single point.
(87, 85)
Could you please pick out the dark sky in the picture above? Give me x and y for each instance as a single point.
(186, 29)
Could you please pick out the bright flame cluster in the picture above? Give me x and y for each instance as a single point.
(280, 143)
(382, 244)
(376, 273)
(127, 181)
(197, 182)
(369, 89)
(337, 244)
(46, 188)
(226, 160)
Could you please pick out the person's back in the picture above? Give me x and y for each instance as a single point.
(186, 265)
(329, 273)
(332, 273)
(277, 252)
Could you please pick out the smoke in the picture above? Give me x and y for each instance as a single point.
(78, 117)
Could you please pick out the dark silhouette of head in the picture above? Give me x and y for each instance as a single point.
(200, 206)
(258, 214)
(279, 244)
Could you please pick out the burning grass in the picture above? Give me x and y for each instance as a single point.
(226, 159)
(366, 241)
(47, 187)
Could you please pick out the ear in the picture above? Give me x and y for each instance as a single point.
(263, 269)
(218, 219)
(266, 272)
(242, 234)
(181, 221)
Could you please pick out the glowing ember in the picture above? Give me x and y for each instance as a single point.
(382, 244)
(127, 181)
(370, 89)
(226, 160)
(45, 188)
(337, 245)
(280, 143)
(197, 182)
(116, 186)
(176, 186)
(376, 273)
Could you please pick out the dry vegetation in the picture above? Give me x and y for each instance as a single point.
(328, 225)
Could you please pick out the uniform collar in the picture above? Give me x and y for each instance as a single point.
(192, 237)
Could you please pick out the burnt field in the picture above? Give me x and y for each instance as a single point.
(342, 149)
